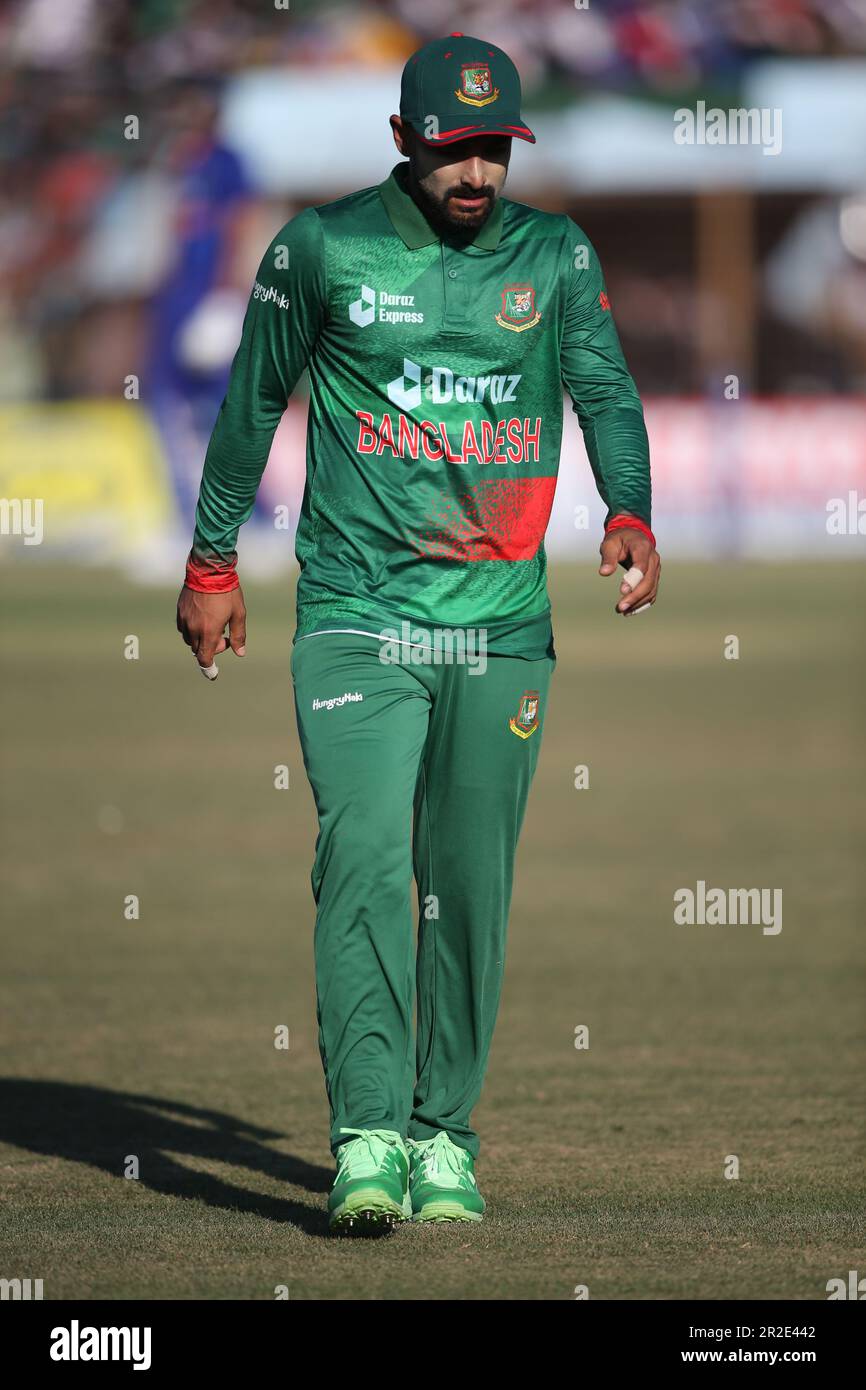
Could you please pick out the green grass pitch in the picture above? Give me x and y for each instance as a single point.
(602, 1167)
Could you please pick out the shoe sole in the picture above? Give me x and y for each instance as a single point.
(368, 1213)
(446, 1211)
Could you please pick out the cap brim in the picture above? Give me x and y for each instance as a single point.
(520, 132)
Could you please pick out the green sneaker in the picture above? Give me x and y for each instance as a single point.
(442, 1181)
(370, 1192)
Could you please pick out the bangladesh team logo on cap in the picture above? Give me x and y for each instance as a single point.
(476, 85)
(468, 84)
(525, 722)
(518, 308)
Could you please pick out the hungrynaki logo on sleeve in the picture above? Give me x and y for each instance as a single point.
(476, 85)
(518, 308)
(525, 722)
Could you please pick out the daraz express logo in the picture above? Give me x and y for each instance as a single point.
(378, 306)
(440, 385)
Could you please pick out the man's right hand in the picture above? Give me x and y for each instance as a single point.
(202, 620)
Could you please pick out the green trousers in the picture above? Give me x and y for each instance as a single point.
(416, 766)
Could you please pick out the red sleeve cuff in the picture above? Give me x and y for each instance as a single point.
(209, 578)
(618, 523)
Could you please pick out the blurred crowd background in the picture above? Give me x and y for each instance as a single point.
(150, 149)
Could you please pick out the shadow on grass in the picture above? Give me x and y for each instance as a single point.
(89, 1124)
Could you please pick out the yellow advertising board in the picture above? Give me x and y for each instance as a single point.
(93, 471)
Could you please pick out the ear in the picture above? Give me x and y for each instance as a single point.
(402, 134)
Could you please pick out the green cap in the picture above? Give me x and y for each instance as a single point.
(458, 87)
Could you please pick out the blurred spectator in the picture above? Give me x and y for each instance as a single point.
(197, 310)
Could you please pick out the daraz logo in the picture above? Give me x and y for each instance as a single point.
(363, 310)
(441, 386)
(406, 396)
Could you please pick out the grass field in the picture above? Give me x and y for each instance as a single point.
(602, 1167)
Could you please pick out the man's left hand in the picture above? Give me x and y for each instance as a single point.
(632, 549)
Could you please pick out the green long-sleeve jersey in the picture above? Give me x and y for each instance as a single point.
(436, 370)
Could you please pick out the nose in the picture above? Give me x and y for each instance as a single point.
(472, 173)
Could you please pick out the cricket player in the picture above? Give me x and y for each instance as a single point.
(439, 321)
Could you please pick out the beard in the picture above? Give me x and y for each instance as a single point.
(448, 219)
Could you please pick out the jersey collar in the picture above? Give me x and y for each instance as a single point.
(411, 224)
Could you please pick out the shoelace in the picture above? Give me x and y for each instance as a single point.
(364, 1159)
(442, 1153)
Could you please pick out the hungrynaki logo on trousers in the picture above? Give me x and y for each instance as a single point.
(525, 722)
(351, 697)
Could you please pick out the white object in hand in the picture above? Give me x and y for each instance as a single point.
(211, 672)
(633, 578)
